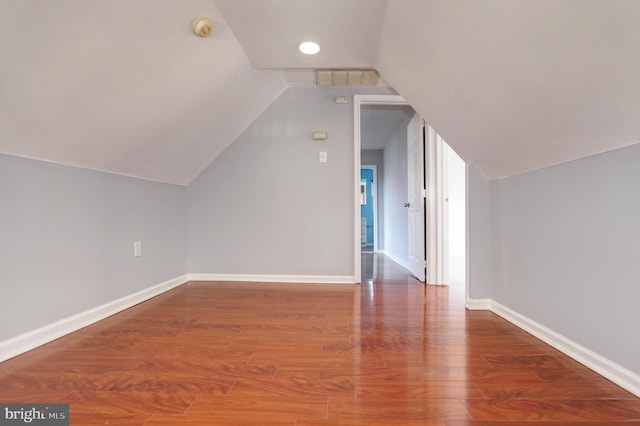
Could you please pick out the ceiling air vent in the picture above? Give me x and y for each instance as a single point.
(347, 77)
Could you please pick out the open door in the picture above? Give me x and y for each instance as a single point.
(416, 197)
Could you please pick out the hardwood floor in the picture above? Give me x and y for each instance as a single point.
(387, 352)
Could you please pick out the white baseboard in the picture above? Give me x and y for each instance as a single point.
(32, 339)
(619, 375)
(289, 279)
(396, 259)
(478, 304)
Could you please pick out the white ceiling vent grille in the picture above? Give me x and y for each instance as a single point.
(347, 77)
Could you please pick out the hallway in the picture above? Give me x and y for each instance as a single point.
(389, 351)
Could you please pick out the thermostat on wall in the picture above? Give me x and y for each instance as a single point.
(319, 135)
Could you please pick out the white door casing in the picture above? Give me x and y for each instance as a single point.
(444, 171)
(442, 213)
(435, 164)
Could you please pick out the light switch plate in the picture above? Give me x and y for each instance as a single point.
(137, 248)
(323, 157)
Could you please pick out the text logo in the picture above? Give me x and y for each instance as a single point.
(34, 414)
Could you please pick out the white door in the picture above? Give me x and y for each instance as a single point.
(416, 192)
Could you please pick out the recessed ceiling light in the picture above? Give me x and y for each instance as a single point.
(309, 47)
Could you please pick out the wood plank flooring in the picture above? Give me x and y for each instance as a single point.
(387, 352)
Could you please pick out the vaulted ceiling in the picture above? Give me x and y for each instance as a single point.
(518, 85)
(124, 86)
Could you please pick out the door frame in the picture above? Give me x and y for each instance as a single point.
(358, 101)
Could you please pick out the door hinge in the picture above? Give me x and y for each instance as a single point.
(424, 193)
(423, 123)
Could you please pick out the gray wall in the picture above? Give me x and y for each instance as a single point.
(395, 188)
(66, 240)
(568, 238)
(267, 206)
(480, 255)
(375, 157)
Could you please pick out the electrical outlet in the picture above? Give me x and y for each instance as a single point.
(137, 248)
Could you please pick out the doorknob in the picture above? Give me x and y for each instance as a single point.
(407, 204)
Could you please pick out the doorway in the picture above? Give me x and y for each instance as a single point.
(398, 216)
(368, 209)
(443, 221)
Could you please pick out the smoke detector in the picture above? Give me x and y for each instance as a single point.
(202, 26)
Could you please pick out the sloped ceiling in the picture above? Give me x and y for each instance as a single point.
(124, 86)
(518, 85)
